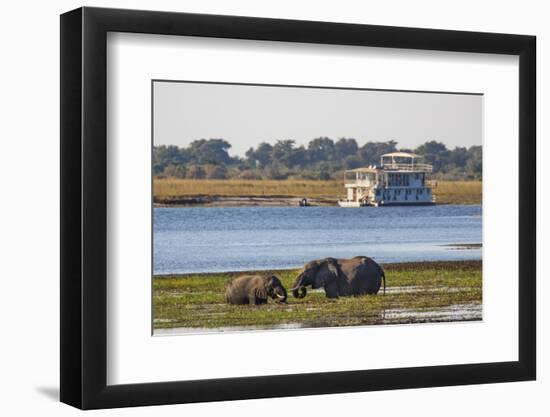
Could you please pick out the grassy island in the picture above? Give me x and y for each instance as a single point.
(416, 292)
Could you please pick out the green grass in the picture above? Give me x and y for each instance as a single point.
(197, 300)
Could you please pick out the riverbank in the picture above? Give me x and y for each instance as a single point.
(241, 201)
(417, 292)
(233, 193)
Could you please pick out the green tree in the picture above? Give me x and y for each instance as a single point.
(250, 174)
(352, 162)
(321, 158)
(345, 147)
(215, 172)
(260, 157)
(459, 156)
(174, 171)
(320, 149)
(370, 152)
(275, 171)
(196, 172)
(168, 155)
(474, 166)
(298, 157)
(282, 152)
(210, 151)
(324, 171)
(434, 153)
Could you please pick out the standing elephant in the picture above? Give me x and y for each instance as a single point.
(341, 277)
(255, 289)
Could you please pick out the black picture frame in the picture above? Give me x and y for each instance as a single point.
(84, 207)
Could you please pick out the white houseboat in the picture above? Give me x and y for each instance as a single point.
(398, 180)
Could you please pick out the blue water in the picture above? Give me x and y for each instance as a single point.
(202, 239)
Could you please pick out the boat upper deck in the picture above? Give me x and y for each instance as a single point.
(403, 161)
(398, 162)
(413, 167)
(398, 169)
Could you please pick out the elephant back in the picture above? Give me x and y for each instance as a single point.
(235, 290)
(238, 290)
(364, 275)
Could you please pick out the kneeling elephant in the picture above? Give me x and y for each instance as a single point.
(340, 277)
(255, 289)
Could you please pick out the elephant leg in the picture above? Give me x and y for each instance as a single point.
(331, 290)
(254, 300)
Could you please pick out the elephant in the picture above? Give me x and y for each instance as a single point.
(255, 290)
(340, 277)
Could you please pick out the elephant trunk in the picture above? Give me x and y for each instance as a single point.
(281, 297)
(299, 292)
(299, 289)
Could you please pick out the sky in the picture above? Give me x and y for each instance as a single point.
(246, 115)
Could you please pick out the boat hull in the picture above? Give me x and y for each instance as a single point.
(401, 203)
(350, 204)
(354, 204)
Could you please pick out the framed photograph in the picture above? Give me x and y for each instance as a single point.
(259, 208)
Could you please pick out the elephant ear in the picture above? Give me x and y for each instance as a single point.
(328, 275)
(260, 293)
(332, 267)
(270, 280)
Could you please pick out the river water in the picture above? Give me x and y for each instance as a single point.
(204, 239)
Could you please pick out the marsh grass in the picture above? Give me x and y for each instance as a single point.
(457, 192)
(167, 189)
(197, 300)
(173, 187)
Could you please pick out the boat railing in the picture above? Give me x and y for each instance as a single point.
(408, 167)
(354, 183)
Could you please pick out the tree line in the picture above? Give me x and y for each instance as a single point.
(322, 158)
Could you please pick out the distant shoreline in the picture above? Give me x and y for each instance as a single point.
(242, 201)
(173, 192)
(255, 201)
(466, 264)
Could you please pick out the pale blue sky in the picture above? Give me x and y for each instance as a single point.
(247, 115)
